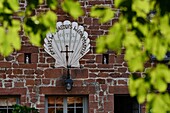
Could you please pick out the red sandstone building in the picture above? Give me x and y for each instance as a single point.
(100, 85)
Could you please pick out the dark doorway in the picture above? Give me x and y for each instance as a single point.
(125, 104)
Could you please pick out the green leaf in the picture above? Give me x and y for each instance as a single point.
(132, 87)
(159, 77)
(35, 39)
(73, 8)
(52, 4)
(160, 85)
(159, 104)
(15, 42)
(118, 2)
(142, 7)
(1, 4)
(157, 46)
(7, 42)
(2, 32)
(114, 38)
(104, 13)
(38, 26)
(13, 4)
(150, 97)
(134, 53)
(141, 94)
(49, 20)
(101, 43)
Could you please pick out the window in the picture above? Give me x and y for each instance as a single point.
(6, 103)
(63, 104)
(125, 104)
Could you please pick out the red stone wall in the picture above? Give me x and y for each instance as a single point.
(36, 80)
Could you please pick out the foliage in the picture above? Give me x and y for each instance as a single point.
(143, 30)
(23, 109)
(35, 26)
(104, 13)
(73, 8)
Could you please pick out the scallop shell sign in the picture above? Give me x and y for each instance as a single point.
(68, 44)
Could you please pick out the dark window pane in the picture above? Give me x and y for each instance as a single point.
(9, 110)
(51, 110)
(125, 104)
(59, 110)
(59, 101)
(70, 101)
(79, 101)
(2, 107)
(79, 110)
(55, 100)
(70, 110)
(3, 111)
(51, 101)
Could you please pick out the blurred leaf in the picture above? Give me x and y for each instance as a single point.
(104, 13)
(118, 2)
(35, 38)
(13, 4)
(52, 4)
(157, 46)
(159, 105)
(49, 20)
(72, 7)
(134, 54)
(101, 44)
(132, 87)
(143, 9)
(38, 26)
(142, 91)
(7, 42)
(114, 37)
(160, 77)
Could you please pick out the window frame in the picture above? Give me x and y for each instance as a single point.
(65, 107)
(8, 97)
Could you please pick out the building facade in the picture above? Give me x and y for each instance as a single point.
(100, 85)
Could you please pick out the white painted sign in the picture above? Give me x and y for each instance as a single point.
(68, 45)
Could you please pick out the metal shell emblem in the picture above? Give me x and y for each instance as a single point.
(68, 44)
